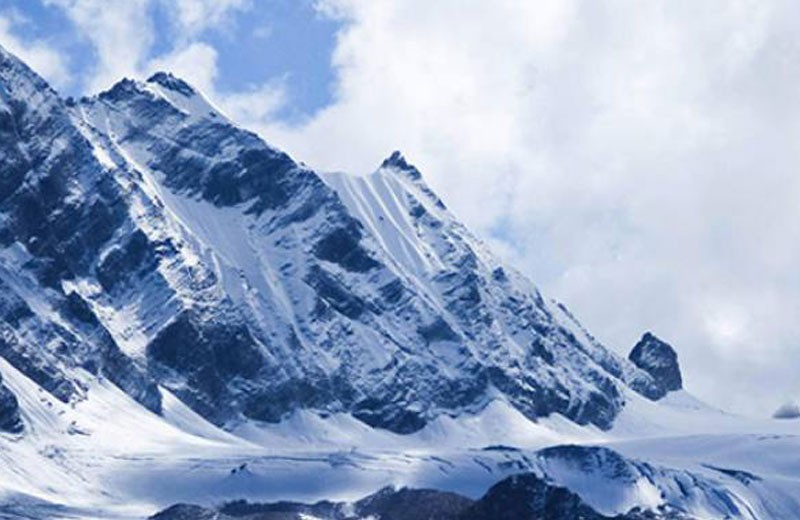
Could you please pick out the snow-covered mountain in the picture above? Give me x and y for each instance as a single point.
(149, 239)
(174, 288)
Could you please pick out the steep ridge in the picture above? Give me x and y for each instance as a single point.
(148, 238)
(58, 210)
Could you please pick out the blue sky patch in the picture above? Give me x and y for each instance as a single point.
(282, 41)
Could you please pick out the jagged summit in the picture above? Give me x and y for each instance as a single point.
(121, 87)
(658, 359)
(161, 95)
(171, 82)
(398, 162)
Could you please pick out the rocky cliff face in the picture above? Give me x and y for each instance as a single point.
(58, 212)
(149, 240)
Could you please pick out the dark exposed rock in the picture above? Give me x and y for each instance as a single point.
(381, 414)
(121, 262)
(660, 360)
(335, 293)
(58, 214)
(283, 510)
(439, 330)
(209, 158)
(529, 497)
(189, 512)
(745, 477)
(398, 162)
(208, 355)
(167, 80)
(341, 246)
(279, 401)
(412, 504)
(10, 420)
(787, 411)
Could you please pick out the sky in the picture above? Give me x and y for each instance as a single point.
(638, 160)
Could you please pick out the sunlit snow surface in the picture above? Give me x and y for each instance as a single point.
(109, 457)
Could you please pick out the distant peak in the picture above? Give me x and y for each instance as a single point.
(122, 89)
(172, 82)
(658, 359)
(789, 410)
(398, 162)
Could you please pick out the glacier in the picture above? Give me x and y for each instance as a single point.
(191, 315)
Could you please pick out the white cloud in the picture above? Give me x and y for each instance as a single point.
(123, 39)
(195, 63)
(250, 108)
(121, 35)
(46, 60)
(195, 16)
(641, 157)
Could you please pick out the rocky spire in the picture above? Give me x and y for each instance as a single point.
(658, 359)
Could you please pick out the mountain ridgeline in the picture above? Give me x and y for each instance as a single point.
(148, 240)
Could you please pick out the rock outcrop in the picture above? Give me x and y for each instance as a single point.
(10, 421)
(660, 361)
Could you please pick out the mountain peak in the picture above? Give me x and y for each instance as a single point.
(172, 82)
(398, 162)
(120, 89)
(658, 359)
(165, 89)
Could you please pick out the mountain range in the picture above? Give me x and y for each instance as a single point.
(187, 313)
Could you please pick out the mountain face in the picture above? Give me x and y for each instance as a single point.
(148, 240)
(58, 215)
